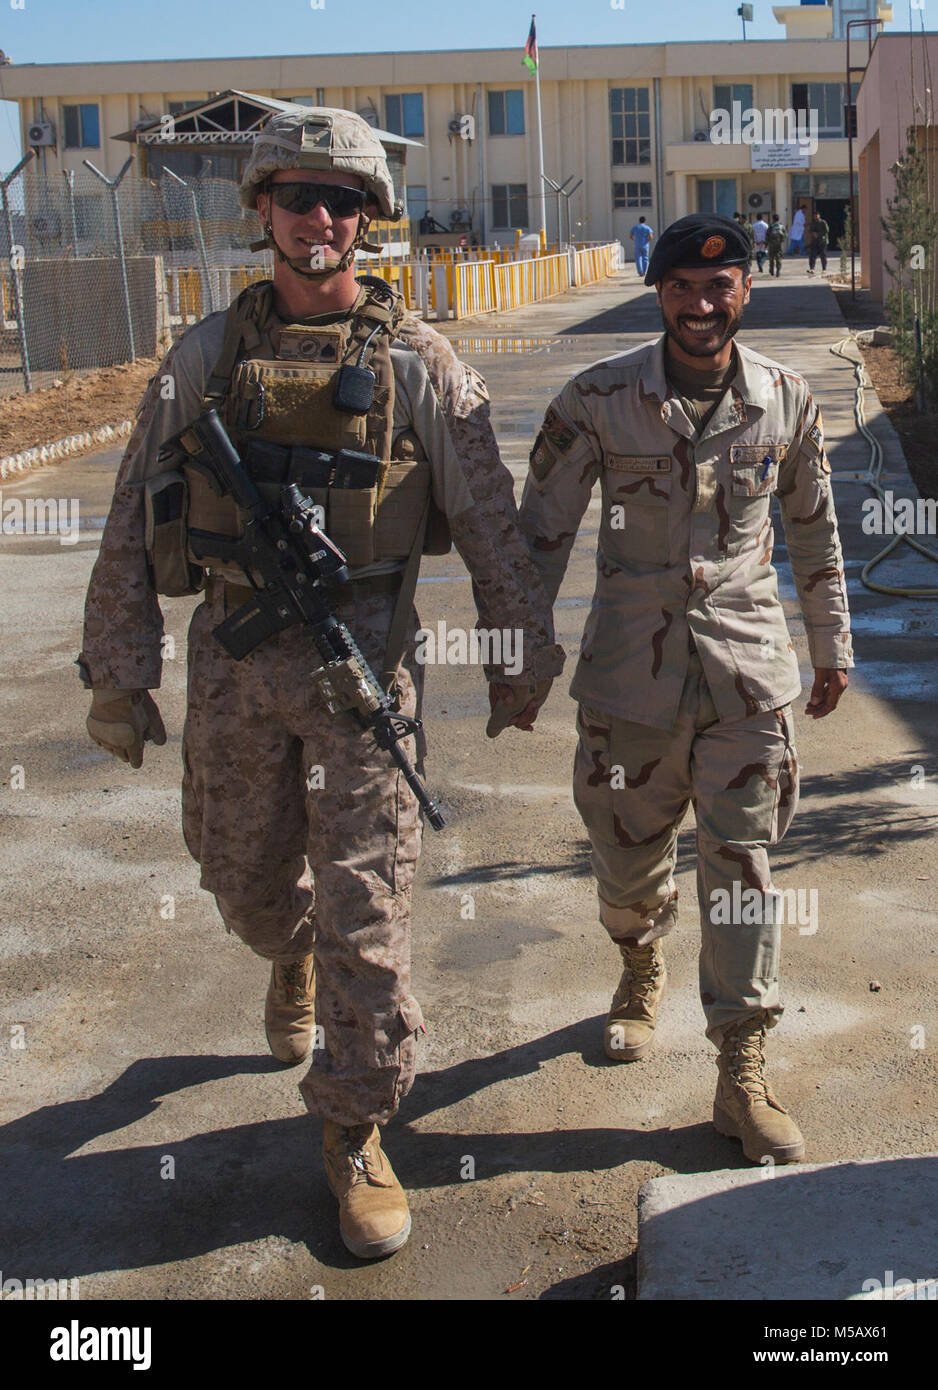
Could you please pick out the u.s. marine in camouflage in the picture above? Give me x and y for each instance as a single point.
(687, 672)
(306, 833)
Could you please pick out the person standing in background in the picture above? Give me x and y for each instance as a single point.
(775, 244)
(759, 233)
(641, 235)
(797, 233)
(818, 237)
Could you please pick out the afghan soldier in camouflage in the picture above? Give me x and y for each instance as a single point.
(306, 834)
(687, 672)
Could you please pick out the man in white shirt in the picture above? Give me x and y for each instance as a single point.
(760, 230)
(796, 240)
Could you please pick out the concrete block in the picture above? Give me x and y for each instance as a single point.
(851, 1230)
(884, 336)
(76, 316)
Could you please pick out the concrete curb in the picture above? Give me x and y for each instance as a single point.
(852, 1229)
(68, 447)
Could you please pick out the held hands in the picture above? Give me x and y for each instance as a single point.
(826, 692)
(121, 721)
(515, 706)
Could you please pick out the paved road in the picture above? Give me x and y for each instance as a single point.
(143, 1034)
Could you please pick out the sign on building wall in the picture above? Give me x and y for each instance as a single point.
(783, 154)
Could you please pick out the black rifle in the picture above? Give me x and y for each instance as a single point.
(297, 563)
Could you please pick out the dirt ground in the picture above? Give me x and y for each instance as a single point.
(82, 402)
(917, 431)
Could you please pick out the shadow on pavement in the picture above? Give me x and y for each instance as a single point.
(811, 1235)
(68, 1214)
(791, 302)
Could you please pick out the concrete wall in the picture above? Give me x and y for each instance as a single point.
(75, 311)
(899, 71)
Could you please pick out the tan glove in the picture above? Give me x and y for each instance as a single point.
(121, 721)
(515, 706)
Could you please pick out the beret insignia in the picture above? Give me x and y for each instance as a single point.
(713, 246)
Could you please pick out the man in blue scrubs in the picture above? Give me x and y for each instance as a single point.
(641, 235)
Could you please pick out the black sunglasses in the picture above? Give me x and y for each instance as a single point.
(300, 198)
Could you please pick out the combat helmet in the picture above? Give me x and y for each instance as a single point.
(319, 137)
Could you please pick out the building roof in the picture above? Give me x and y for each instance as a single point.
(231, 117)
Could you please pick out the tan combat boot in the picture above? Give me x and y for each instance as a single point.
(373, 1215)
(744, 1107)
(288, 1010)
(630, 1026)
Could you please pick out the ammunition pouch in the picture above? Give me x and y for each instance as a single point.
(166, 506)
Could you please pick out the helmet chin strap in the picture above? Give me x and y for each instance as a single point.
(300, 265)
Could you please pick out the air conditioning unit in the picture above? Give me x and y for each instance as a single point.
(40, 133)
(759, 202)
(462, 125)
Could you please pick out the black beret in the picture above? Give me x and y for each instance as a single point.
(702, 239)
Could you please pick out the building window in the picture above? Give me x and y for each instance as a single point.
(509, 205)
(725, 93)
(631, 195)
(630, 122)
(506, 113)
(82, 129)
(717, 195)
(828, 99)
(404, 114)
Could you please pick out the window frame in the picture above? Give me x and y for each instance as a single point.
(630, 126)
(506, 116)
(407, 120)
(732, 88)
(508, 198)
(80, 108)
(837, 131)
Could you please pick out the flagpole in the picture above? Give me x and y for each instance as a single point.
(540, 142)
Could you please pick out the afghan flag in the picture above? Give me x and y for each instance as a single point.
(530, 50)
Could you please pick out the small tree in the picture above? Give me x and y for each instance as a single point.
(845, 240)
(910, 230)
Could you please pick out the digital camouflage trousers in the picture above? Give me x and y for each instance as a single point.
(308, 837)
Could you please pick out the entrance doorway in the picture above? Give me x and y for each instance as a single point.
(834, 212)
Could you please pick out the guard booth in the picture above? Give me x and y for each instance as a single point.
(206, 146)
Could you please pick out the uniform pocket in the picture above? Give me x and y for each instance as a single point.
(787, 788)
(393, 1030)
(592, 793)
(636, 517)
(166, 506)
(350, 523)
(754, 468)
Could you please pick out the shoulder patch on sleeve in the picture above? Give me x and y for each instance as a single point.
(560, 434)
(541, 460)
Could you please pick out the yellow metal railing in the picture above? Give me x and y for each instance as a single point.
(495, 279)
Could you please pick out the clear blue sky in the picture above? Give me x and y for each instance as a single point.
(66, 31)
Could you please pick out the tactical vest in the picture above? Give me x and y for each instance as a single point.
(274, 386)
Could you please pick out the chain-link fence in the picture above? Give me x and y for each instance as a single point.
(95, 272)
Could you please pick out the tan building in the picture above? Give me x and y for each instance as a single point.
(896, 100)
(632, 122)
